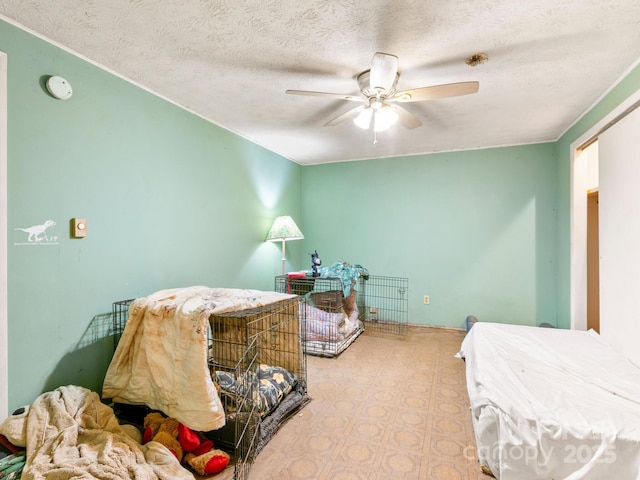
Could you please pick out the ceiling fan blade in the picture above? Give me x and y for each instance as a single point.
(348, 115)
(341, 96)
(406, 118)
(384, 68)
(436, 91)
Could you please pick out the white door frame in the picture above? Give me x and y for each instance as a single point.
(578, 207)
(4, 343)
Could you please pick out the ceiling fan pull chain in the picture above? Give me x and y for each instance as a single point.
(375, 131)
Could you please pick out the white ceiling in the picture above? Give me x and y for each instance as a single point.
(230, 61)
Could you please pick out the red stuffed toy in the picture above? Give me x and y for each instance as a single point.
(192, 447)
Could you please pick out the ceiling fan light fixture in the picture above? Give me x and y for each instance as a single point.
(363, 120)
(384, 118)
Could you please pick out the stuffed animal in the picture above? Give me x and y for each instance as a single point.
(208, 463)
(161, 429)
(315, 263)
(181, 440)
(14, 428)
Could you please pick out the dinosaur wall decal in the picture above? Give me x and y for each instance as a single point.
(36, 232)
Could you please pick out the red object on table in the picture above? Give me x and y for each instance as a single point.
(294, 275)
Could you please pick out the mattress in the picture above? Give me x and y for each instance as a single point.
(552, 404)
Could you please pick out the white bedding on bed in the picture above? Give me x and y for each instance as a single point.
(161, 359)
(552, 404)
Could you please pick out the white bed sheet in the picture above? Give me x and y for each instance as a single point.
(552, 404)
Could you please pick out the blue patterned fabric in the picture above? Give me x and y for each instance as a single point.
(346, 272)
(267, 387)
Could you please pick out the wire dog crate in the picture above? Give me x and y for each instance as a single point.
(333, 320)
(256, 360)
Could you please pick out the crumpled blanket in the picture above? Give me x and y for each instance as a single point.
(346, 272)
(161, 359)
(70, 434)
(327, 326)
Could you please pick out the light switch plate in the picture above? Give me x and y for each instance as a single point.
(79, 227)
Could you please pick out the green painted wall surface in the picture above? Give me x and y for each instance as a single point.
(475, 230)
(171, 200)
(626, 87)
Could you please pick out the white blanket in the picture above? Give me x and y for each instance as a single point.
(161, 359)
(552, 404)
(70, 434)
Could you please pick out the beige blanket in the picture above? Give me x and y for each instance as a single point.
(72, 435)
(161, 359)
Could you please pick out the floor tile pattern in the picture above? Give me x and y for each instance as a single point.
(385, 409)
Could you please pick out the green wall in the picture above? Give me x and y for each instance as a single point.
(474, 230)
(171, 200)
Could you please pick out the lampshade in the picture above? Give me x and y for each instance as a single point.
(284, 228)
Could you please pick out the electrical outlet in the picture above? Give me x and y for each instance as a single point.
(426, 299)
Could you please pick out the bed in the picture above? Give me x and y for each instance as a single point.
(225, 362)
(551, 404)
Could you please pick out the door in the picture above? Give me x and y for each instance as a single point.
(593, 262)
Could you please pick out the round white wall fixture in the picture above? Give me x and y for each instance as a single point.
(59, 87)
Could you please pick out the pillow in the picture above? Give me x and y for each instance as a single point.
(275, 384)
(268, 386)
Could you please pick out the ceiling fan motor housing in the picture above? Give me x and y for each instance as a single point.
(368, 91)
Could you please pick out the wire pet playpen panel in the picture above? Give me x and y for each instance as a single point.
(240, 435)
(386, 305)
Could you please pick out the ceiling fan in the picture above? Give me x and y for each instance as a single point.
(379, 96)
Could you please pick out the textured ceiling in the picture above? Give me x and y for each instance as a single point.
(230, 61)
